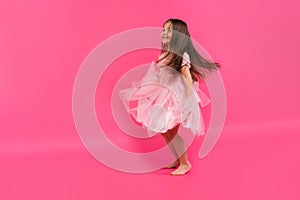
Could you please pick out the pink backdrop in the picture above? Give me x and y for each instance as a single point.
(43, 45)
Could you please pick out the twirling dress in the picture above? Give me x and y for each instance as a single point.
(164, 99)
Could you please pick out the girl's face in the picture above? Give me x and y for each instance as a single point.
(166, 33)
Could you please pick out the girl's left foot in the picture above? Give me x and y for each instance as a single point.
(172, 165)
(182, 169)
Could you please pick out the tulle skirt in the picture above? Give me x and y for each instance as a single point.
(163, 99)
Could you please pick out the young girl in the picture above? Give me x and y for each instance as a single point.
(168, 96)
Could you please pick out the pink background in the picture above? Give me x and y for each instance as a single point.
(42, 45)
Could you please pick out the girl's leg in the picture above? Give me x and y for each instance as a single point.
(168, 136)
(180, 148)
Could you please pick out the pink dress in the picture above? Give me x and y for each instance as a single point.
(163, 99)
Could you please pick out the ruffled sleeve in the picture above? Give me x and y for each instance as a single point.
(186, 60)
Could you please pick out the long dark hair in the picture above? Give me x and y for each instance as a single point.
(181, 42)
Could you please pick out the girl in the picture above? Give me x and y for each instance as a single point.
(168, 95)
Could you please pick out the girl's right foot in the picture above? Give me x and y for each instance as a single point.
(182, 169)
(172, 165)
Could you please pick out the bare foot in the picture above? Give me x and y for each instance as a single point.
(172, 165)
(182, 169)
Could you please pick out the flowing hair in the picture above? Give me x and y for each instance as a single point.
(181, 42)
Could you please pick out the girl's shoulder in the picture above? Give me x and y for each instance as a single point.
(161, 55)
(162, 59)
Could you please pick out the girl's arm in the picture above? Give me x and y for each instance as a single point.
(185, 71)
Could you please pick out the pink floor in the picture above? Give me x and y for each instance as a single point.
(245, 164)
